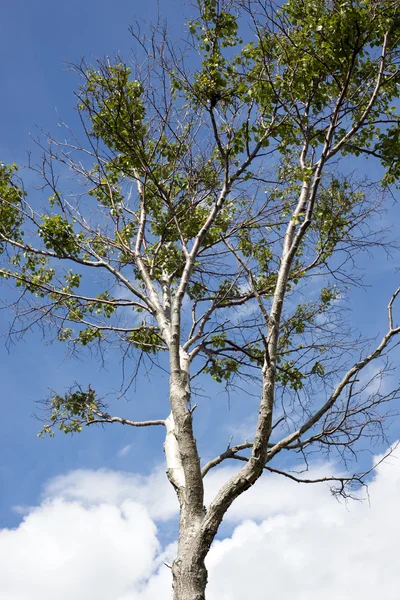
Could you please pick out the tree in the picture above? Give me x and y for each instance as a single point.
(212, 199)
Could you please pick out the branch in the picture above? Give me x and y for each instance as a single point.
(390, 308)
(155, 300)
(346, 380)
(342, 480)
(50, 289)
(105, 418)
(252, 282)
(356, 477)
(229, 453)
(369, 106)
(98, 264)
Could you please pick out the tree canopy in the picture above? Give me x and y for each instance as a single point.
(218, 211)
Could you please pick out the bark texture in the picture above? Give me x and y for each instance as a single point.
(184, 472)
(189, 574)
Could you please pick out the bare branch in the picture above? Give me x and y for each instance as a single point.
(105, 418)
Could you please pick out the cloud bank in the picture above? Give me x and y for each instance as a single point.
(98, 534)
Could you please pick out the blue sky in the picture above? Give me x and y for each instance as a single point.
(35, 40)
(38, 90)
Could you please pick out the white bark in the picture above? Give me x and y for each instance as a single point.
(175, 471)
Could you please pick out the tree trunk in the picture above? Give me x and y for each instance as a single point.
(189, 579)
(184, 472)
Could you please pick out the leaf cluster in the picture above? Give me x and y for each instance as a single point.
(71, 412)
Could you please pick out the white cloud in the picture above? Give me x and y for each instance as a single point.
(323, 550)
(114, 487)
(94, 535)
(272, 495)
(65, 550)
(125, 450)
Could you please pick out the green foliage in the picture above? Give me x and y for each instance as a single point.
(335, 215)
(227, 290)
(289, 375)
(312, 65)
(147, 339)
(196, 290)
(258, 249)
(107, 191)
(103, 306)
(11, 196)
(222, 369)
(58, 235)
(218, 340)
(216, 31)
(170, 260)
(71, 412)
(328, 295)
(386, 145)
(88, 335)
(304, 318)
(114, 104)
(171, 146)
(318, 369)
(34, 272)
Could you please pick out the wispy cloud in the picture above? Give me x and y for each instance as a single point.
(125, 450)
